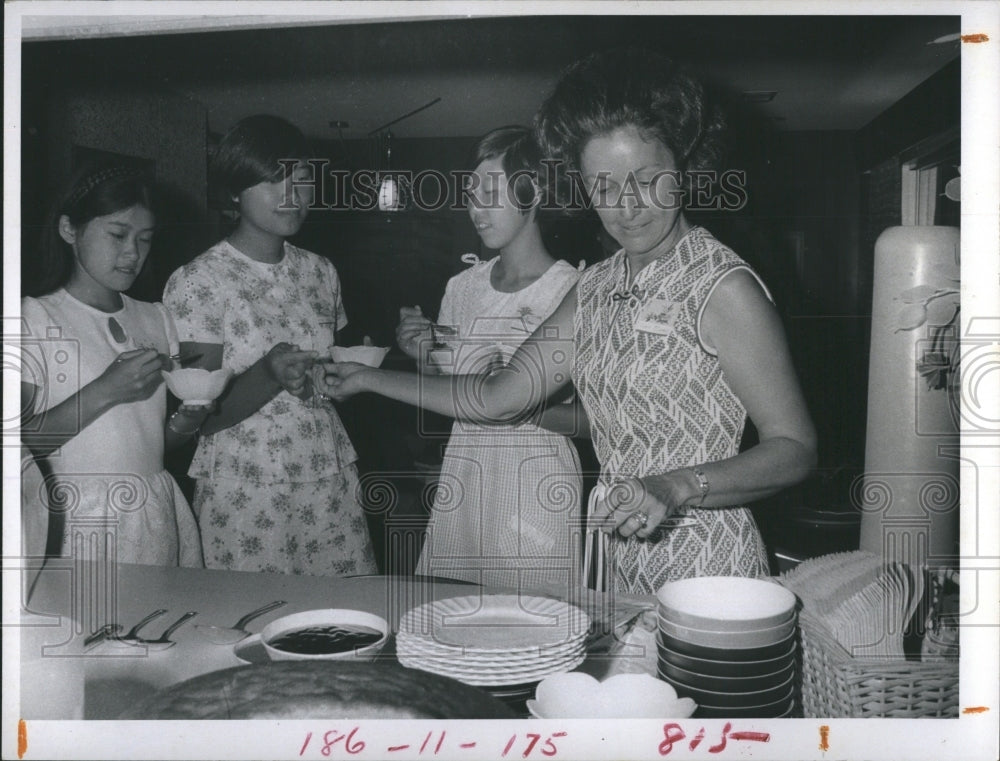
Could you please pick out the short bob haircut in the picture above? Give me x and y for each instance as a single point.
(631, 87)
(252, 152)
(520, 156)
(94, 190)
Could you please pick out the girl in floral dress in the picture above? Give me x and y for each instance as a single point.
(507, 508)
(277, 485)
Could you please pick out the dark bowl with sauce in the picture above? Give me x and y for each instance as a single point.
(326, 634)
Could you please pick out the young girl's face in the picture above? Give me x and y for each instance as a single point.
(110, 251)
(492, 206)
(277, 208)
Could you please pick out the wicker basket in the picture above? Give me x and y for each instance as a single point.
(836, 685)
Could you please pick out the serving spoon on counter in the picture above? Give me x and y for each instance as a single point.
(222, 635)
(163, 641)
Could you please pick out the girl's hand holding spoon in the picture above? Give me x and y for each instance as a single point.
(132, 377)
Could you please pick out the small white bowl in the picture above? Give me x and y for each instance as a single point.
(324, 618)
(363, 355)
(192, 385)
(730, 603)
(576, 695)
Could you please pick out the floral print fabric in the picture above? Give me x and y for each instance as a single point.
(224, 297)
(277, 491)
(306, 527)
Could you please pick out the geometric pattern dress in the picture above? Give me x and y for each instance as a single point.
(657, 401)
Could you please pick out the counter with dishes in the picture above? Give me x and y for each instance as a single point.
(78, 660)
(824, 640)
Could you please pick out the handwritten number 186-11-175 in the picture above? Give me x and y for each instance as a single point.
(333, 742)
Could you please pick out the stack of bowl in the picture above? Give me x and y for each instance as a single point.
(729, 644)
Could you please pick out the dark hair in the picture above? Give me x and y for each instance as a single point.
(637, 87)
(520, 156)
(94, 190)
(252, 152)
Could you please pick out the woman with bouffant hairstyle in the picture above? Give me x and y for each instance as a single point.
(665, 102)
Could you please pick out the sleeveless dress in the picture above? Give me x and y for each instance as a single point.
(507, 507)
(657, 401)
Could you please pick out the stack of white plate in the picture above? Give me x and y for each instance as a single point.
(502, 642)
(728, 643)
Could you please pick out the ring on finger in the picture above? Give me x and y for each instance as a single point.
(642, 518)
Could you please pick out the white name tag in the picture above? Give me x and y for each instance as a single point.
(658, 316)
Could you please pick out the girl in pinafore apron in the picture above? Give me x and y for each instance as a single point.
(507, 508)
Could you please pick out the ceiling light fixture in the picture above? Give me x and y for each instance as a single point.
(394, 193)
(393, 190)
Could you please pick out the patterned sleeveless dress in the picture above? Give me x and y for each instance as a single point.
(657, 401)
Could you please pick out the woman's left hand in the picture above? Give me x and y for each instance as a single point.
(631, 508)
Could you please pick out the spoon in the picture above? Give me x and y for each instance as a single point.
(133, 633)
(163, 641)
(229, 636)
(186, 359)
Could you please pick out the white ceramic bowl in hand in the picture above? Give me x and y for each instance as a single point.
(325, 634)
(195, 386)
(363, 355)
(576, 695)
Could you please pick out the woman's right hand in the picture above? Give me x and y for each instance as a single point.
(288, 366)
(133, 376)
(341, 380)
(414, 330)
